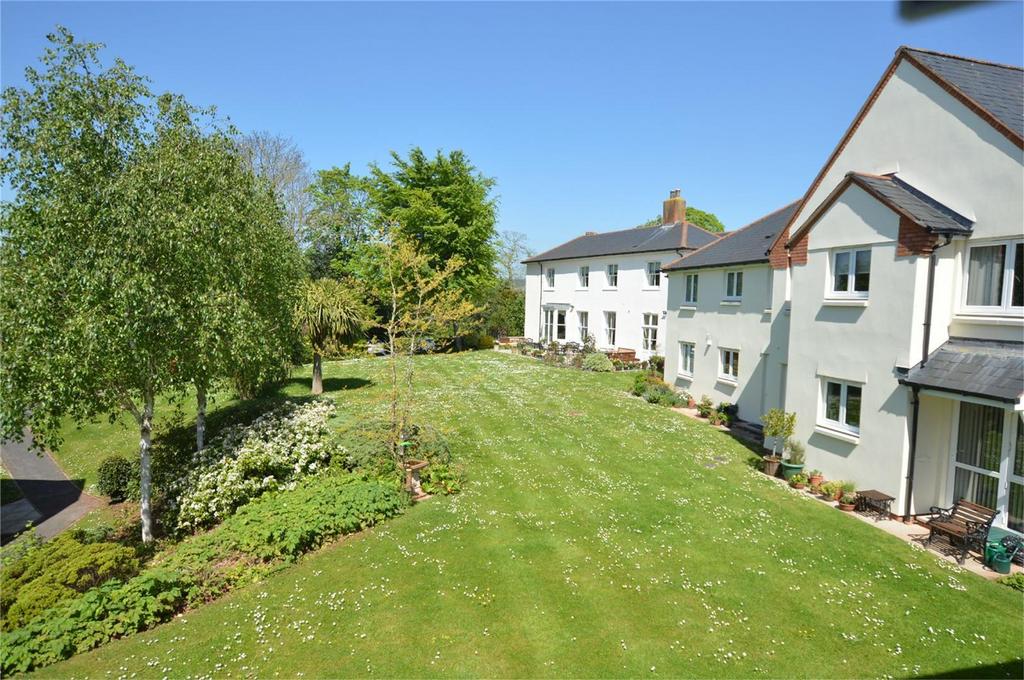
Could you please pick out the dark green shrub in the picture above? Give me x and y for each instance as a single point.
(58, 571)
(656, 364)
(485, 342)
(114, 476)
(598, 362)
(110, 611)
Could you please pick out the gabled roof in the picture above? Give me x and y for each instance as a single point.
(979, 368)
(900, 197)
(745, 245)
(626, 241)
(997, 86)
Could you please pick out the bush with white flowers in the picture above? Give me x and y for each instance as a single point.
(273, 452)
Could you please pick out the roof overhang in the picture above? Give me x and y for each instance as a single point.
(983, 369)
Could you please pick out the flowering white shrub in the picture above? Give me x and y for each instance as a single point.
(273, 452)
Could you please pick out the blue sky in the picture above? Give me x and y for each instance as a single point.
(586, 114)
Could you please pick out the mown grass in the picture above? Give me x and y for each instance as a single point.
(598, 536)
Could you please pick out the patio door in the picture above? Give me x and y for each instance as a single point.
(988, 461)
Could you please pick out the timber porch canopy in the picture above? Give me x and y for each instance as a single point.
(986, 369)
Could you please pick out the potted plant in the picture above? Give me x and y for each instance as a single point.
(847, 488)
(848, 502)
(795, 462)
(829, 490)
(778, 425)
(715, 418)
(815, 478)
(798, 480)
(690, 401)
(705, 406)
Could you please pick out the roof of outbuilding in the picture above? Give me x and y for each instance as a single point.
(997, 88)
(967, 366)
(637, 240)
(747, 244)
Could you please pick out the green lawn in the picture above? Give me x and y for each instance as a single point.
(598, 535)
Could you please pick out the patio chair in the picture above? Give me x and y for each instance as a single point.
(965, 524)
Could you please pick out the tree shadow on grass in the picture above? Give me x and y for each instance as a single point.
(1007, 669)
(330, 384)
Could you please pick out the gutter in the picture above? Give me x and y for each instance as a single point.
(915, 389)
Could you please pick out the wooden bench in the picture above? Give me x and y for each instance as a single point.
(966, 524)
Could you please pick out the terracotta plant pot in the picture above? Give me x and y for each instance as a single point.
(847, 507)
(816, 480)
(770, 465)
(690, 403)
(798, 486)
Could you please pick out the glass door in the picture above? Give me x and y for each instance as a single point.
(988, 461)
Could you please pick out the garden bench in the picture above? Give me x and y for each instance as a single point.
(966, 524)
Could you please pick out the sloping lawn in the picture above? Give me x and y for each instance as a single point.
(597, 536)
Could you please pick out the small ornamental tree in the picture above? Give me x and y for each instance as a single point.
(329, 311)
(778, 425)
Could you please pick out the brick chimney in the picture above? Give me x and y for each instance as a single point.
(673, 210)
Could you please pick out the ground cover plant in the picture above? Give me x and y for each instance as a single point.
(596, 535)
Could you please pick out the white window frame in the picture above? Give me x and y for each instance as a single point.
(583, 324)
(839, 425)
(561, 324)
(610, 322)
(649, 332)
(547, 328)
(734, 285)
(851, 275)
(549, 277)
(687, 357)
(729, 366)
(690, 283)
(1011, 421)
(1005, 307)
(611, 273)
(583, 275)
(654, 277)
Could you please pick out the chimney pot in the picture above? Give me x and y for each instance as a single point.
(674, 193)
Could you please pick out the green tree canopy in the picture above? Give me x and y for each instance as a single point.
(705, 220)
(329, 311)
(339, 221)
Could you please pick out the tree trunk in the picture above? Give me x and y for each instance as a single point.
(145, 468)
(318, 373)
(200, 417)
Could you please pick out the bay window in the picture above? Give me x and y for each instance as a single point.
(851, 273)
(994, 278)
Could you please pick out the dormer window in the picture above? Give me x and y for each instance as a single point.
(851, 273)
(994, 278)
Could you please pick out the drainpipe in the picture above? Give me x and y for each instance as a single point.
(915, 390)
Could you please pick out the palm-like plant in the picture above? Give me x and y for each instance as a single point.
(328, 311)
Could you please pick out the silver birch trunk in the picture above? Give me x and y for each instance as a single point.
(145, 468)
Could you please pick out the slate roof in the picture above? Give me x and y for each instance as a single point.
(979, 368)
(745, 245)
(997, 88)
(639, 240)
(920, 207)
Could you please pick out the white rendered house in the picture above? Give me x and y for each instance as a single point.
(722, 340)
(610, 285)
(902, 273)
(887, 308)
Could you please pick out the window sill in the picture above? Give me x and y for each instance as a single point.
(730, 381)
(582, 290)
(687, 308)
(610, 290)
(848, 437)
(685, 376)
(651, 288)
(989, 319)
(730, 303)
(844, 302)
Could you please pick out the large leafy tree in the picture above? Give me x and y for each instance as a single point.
(329, 311)
(445, 207)
(112, 249)
(696, 216)
(339, 219)
(279, 162)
